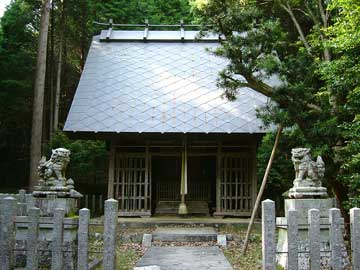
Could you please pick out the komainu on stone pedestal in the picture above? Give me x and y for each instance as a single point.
(52, 176)
(308, 175)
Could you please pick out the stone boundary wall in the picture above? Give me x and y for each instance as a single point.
(24, 201)
(27, 236)
(313, 252)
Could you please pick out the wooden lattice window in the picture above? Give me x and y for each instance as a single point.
(132, 182)
(236, 183)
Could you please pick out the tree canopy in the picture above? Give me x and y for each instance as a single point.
(71, 24)
(311, 47)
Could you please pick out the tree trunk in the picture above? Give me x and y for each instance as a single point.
(52, 71)
(38, 103)
(58, 90)
(58, 77)
(288, 9)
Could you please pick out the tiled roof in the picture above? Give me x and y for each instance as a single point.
(136, 86)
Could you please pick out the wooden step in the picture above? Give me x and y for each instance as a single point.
(172, 207)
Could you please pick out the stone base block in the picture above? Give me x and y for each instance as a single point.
(304, 205)
(183, 209)
(308, 192)
(142, 214)
(172, 234)
(47, 205)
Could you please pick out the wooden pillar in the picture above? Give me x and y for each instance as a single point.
(183, 188)
(218, 179)
(146, 191)
(111, 172)
(254, 178)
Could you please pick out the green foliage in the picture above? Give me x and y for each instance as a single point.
(84, 154)
(157, 11)
(317, 98)
(282, 173)
(18, 47)
(343, 74)
(17, 59)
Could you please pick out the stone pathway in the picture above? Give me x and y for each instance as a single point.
(185, 258)
(183, 255)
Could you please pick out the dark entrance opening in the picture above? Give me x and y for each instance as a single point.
(166, 178)
(202, 183)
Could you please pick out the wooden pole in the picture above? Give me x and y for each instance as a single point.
(111, 172)
(262, 188)
(183, 188)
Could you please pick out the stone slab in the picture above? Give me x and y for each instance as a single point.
(185, 258)
(146, 241)
(152, 267)
(221, 240)
(170, 234)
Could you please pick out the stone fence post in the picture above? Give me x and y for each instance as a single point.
(110, 224)
(268, 235)
(355, 237)
(7, 234)
(293, 260)
(314, 238)
(57, 240)
(83, 239)
(32, 261)
(335, 239)
(22, 203)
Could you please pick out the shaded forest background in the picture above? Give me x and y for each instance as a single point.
(312, 45)
(71, 23)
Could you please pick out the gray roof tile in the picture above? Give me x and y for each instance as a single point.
(157, 86)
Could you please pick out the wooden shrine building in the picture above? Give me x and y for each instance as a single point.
(177, 146)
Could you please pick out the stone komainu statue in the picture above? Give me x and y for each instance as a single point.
(55, 167)
(307, 172)
(52, 176)
(308, 175)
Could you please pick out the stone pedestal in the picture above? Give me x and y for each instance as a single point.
(183, 209)
(49, 203)
(299, 192)
(44, 243)
(303, 206)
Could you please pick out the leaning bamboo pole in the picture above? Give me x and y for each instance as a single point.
(262, 188)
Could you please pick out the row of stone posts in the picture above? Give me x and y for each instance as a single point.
(33, 230)
(294, 253)
(312, 226)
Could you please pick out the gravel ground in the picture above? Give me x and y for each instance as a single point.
(233, 252)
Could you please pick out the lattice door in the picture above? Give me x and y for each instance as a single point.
(236, 179)
(132, 182)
